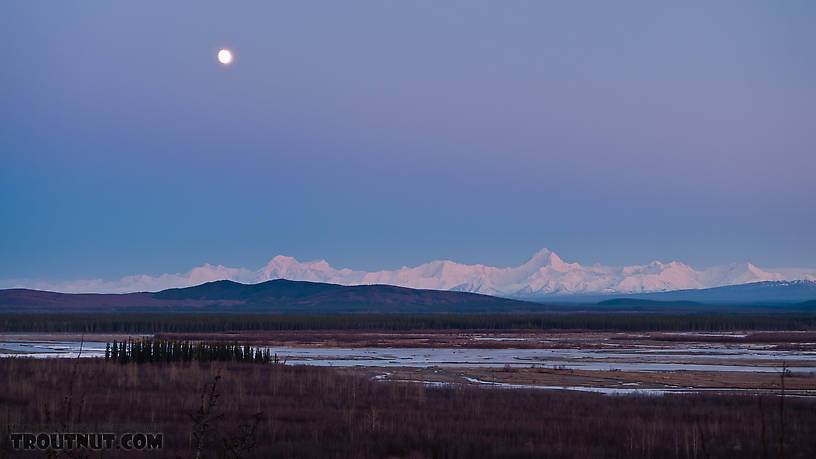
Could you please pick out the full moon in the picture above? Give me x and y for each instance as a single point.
(225, 56)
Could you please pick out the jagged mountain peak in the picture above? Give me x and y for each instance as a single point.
(545, 273)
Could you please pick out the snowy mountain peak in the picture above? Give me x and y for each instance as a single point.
(545, 273)
(542, 257)
(281, 261)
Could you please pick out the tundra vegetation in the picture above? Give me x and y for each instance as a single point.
(234, 408)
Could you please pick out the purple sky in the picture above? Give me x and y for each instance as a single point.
(381, 134)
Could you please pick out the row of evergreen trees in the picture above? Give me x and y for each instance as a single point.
(148, 350)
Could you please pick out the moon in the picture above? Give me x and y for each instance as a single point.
(225, 56)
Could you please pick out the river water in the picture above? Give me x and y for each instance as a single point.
(707, 357)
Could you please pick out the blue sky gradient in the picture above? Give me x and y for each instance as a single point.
(381, 134)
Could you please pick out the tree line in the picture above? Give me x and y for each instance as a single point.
(189, 323)
(154, 351)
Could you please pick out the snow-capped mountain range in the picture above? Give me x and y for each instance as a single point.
(545, 274)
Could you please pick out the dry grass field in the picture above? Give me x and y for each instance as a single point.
(267, 410)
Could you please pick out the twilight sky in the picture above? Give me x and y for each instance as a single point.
(381, 134)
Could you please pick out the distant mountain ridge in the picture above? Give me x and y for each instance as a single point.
(544, 276)
(756, 292)
(285, 296)
(275, 296)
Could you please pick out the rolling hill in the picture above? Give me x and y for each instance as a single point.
(279, 296)
(769, 292)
